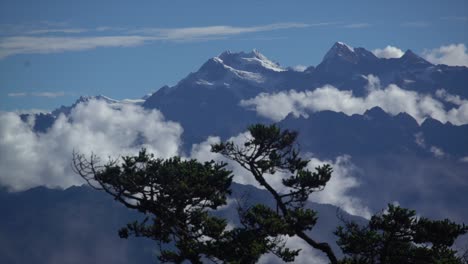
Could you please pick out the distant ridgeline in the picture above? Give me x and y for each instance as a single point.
(207, 102)
(399, 125)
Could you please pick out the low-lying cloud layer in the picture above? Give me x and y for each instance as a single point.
(392, 99)
(28, 159)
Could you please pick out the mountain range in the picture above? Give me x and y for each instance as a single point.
(421, 163)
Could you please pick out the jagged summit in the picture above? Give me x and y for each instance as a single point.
(248, 66)
(86, 98)
(342, 57)
(339, 49)
(341, 52)
(248, 61)
(411, 58)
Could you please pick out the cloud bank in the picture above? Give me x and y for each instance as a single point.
(392, 99)
(28, 159)
(452, 55)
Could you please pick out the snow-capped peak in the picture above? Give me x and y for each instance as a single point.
(250, 66)
(345, 45)
(248, 61)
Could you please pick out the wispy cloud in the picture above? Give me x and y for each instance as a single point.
(194, 33)
(455, 18)
(43, 27)
(56, 30)
(37, 94)
(107, 28)
(45, 40)
(24, 45)
(388, 52)
(17, 94)
(416, 24)
(357, 25)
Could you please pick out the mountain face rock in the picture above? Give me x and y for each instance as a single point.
(342, 60)
(252, 62)
(212, 94)
(375, 133)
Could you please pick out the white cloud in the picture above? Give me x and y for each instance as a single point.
(421, 142)
(447, 97)
(202, 152)
(336, 191)
(388, 52)
(438, 152)
(453, 55)
(299, 68)
(392, 99)
(28, 159)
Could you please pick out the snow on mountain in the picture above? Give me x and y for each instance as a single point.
(224, 80)
(341, 52)
(229, 67)
(242, 74)
(249, 61)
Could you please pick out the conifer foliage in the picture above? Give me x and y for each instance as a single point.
(178, 198)
(398, 236)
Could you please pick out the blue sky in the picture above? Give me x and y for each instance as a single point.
(51, 52)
